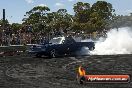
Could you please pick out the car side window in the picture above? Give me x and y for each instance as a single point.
(68, 41)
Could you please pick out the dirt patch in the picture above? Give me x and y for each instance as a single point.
(28, 72)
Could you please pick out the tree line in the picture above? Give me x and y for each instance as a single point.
(87, 18)
(121, 21)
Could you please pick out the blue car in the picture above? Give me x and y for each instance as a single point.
(60, 46)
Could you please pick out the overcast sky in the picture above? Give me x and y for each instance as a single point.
(16, 9)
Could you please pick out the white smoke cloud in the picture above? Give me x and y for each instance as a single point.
(42, 5)
(59, 5)
(71, 0)
(29, 1)
(117, 42)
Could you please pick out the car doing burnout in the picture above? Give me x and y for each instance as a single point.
(60, 46)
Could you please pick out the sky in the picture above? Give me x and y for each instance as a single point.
(16, 9)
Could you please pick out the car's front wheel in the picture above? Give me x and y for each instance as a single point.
(53, 53)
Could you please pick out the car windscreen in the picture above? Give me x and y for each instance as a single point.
(55, 40)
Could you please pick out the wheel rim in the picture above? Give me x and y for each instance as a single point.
(92, 48)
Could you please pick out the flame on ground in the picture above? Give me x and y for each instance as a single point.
(81, 71)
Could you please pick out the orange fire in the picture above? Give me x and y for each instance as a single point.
(81, 71)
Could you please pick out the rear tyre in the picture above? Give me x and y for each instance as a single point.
(92, 48)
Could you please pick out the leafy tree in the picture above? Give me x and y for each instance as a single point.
(37, 18)
(101, 14)
(82, 12)
(82, 16)
(60, 20)
(103, 8)
(93, 18)
(121, 21)
(16, 27)
(5, 23)
(5, 26)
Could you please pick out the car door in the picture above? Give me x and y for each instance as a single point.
(64, 47)
(68, 45)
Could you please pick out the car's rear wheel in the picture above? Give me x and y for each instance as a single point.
(92, 48)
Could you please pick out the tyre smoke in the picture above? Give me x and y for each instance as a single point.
(117, 42)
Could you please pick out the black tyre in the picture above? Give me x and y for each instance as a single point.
(92, 48)
(53, 53)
